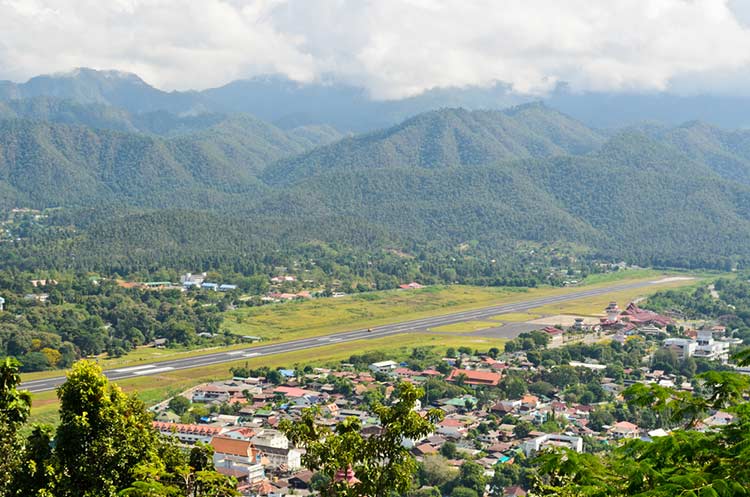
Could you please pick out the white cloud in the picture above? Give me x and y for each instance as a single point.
(392, 47)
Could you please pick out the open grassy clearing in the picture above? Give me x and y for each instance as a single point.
(465, 327)
(153, 389)
(143, 355)
(296, 320)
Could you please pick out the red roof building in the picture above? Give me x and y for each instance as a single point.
(472, 377)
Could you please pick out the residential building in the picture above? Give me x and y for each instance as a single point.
(189, 433)
(683, 347)
(383, 366)
(474, 377)
(625, 429)
(240, 455)
(549, 440)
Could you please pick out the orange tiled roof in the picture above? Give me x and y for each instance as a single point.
(226, 445)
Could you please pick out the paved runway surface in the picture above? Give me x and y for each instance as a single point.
(348, 336)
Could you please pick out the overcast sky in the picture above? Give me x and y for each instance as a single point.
(394, 48)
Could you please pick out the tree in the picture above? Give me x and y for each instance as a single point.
(506, 475)
(15, 407)
(381, 464)
(688, 462)
(522, 429)
(36, 475)
(542, 388)
(274, 377)
(471, 476)
(448, 450)
(179, 405)
(435, 471)
(666, 360)
(513, 387)
(425, 492)
(103, 436)
(463, 492)
(562, 376)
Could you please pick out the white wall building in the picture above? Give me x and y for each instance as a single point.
(549, 440)
(383, 366)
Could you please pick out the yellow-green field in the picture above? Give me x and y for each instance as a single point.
(465, 327)
(296, 320)
(140, 356)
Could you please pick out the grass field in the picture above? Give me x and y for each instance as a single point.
(153, 389)
(143, 355)
(465, 327)
(296, 320)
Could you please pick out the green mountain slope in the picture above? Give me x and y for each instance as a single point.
(449, 137)
(440, 180)
(635, 196)
(726, 151)
(44, 164)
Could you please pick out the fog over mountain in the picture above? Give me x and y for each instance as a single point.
(289, 104)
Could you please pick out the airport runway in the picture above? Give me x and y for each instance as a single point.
(347, 336)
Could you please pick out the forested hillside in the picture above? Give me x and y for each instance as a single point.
(448, 138)
(493, 180)
(45, 164)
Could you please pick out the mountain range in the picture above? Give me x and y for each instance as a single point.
(650, 193)
(289, 104)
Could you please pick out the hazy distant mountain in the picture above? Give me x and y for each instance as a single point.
(617, 110)
(277, 99)
(289, 104)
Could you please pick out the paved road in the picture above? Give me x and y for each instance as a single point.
(348, 336)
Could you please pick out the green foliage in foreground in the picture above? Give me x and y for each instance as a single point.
(715, 462)
(104, 446)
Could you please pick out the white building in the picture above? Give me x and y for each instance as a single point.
(2, 304)
(270, 438)
(708, 348)
(683, 347)
(549, 440)
(383, 366)
(190, 279)
(704, 347)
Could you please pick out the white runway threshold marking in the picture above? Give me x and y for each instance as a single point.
(134, 368)
(153, 371)
(236, 352)
(252, 354)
